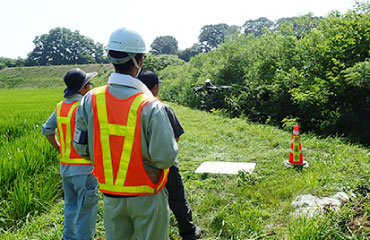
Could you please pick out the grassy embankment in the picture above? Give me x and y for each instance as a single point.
(47, 77)
(240, 206)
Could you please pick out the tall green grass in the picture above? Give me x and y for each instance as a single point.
(29, 173)
(243, 206)
(258, 205)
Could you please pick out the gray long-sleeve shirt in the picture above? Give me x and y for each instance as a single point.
(158, 145)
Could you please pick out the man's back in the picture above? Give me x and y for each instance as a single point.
(158, 147)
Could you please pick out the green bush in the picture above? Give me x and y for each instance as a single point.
(320, 80)
(155, 63)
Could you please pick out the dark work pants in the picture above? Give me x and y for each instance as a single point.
(179, 205)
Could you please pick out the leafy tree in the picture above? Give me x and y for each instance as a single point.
(232, 29)
(362, 6)
(62, 46)
(98, 53)
(301, 26)
(313, 71)
(189, 52)
(164, 45)
(211, 36)
(156, 63)
(20, 62)
(256, 26)
(9, 62)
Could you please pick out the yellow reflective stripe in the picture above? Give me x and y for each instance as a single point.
(65, 146)
(295, 149)
(129, 141)
(104, 134)
(59, 124)
(127, 131)
(119, 130)
(165, 171)
(76, 160)
(126, 189)
(63, 120)
(68, 131)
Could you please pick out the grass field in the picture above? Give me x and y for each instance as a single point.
(29, 178)
(243, 206)
(47, 76)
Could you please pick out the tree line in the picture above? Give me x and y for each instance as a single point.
(213, 35)
(310, 71)
(61, 46)
(307, 70)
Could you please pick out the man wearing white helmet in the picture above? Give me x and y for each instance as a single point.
(127, 134)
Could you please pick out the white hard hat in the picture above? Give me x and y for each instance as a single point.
(124, 40)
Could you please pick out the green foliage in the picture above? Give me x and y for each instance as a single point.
(177, 91)
(156, 63)
(211, 36)
(300, 26)
(256, 27)
(8, 62)
(29, 178)
(320, 80)
(164, 45)
(189, 52)
(239, 206)
(362, 6)
(314, 70)
(62, 46)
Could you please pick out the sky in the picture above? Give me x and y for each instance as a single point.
(22, 20)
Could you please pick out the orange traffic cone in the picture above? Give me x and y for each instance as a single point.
(295, 155)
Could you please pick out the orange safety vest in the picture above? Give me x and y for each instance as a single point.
(66, 114)
(117, 146)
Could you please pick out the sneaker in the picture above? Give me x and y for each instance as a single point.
(197, 232)
(196, 235)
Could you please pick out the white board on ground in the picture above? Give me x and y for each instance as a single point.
(225, 167)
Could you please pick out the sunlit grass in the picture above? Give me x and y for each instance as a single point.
(29, 172)
(243, 206)
(48, 76)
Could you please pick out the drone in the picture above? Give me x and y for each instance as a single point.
(209, 87)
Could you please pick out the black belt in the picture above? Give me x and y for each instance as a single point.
(118, 196)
